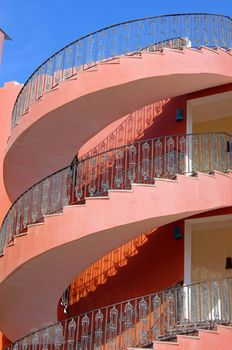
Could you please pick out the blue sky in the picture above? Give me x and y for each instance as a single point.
(41, 27)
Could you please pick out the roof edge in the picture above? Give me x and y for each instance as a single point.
(6, 36)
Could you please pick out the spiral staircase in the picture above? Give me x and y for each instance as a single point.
(60, 224)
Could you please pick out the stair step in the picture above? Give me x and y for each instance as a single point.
(165, 180)
(165, 345)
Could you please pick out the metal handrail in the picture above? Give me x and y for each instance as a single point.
(117, 168)
(138, 321)
(201, 29)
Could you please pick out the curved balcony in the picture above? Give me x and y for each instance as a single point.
(140, 321)
(51, 246)
(153, 33)
(63, 120)
(118, 168)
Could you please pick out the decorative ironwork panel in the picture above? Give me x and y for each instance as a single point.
(25, 343)
(90, 47)
(12, 221)
(182, 155)
(101, 45)
(56, 189)
(195, 154)
(174, 30)
(79, 181)
(145, 160)
(67, 179)
(195, 305)
(215, 31)
(58, 74)
(84, 332)
(197, 30)
(45, 198)
(34, 81)
(34, 341)
(205, 160)
(204, 297)
(113, 41)
(98, 330)
(157, 315)
(222, 152)
(170, 312)
(105, 172)
(41, 81)
(19, 213)
(186, 26)
(126, 37)
(118, 168)
(206, 30)
(68, 62)
(132, 163)
(113, 327)
(3, 235)
(92, 176)
(27, 97)
(128, 324)
(158, 158)
(171, 156)
(215, 301)
(139, 35)
(223, 31)
(49, 74)
(46, 338)
(58, 336)
(163, 28)
(143, 321)
(214, 147)
(71, 334)
(225, 301)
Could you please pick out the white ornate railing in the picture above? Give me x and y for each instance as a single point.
(117, 168)
(139, 321)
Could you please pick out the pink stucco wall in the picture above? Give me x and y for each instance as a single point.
(8, 95)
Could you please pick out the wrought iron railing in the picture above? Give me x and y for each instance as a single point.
(139, 321)
(117, 168)
(194, 29)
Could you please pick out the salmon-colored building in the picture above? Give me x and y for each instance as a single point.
(116, 191)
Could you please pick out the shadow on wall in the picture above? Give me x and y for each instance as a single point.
(154, 120)
(158, 264)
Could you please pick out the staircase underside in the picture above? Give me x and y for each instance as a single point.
(35, 270)
(58, 124)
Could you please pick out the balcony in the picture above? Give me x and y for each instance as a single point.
(116, 169)
(140, 321)
(162, 56)
(147, 179)
(136, 179)
(152, 34)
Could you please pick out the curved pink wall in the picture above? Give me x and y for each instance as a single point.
(8, 95)
(64, 119)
